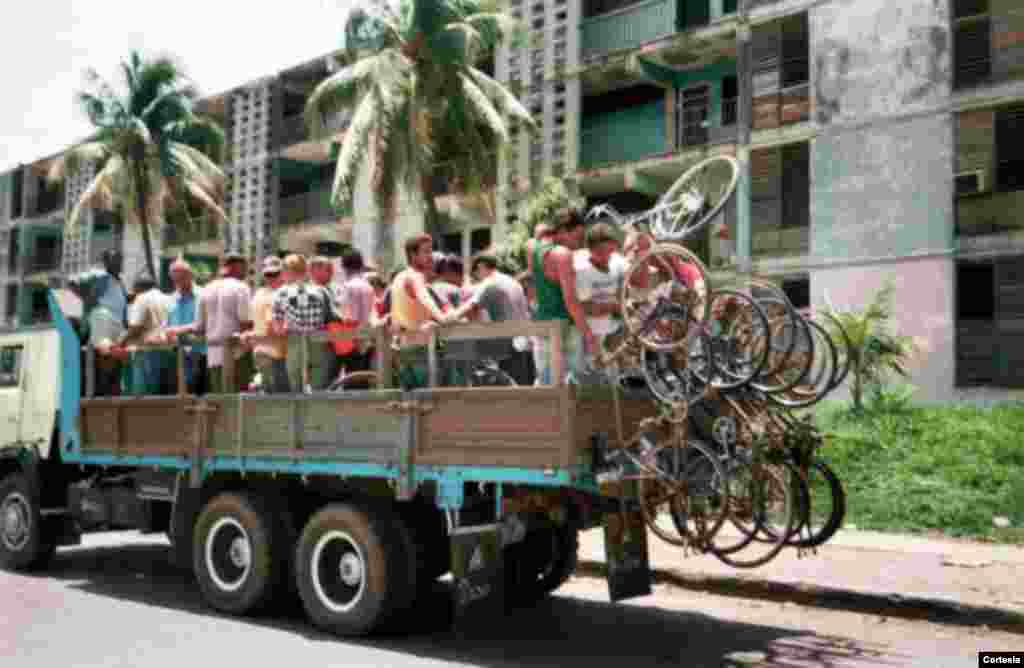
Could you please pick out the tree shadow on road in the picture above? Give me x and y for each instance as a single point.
(556, 632)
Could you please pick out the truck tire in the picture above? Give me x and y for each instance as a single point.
(541, 563)
(239, 556)
(25, 541)
(354, 569)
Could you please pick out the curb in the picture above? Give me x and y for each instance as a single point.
(889, 604)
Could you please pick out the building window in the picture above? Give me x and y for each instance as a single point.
(780, 200)
(988, 307)
(780, 73)
(693, 106)
(1009, 151)
(730, 100)
(10, 360)
(972, 43)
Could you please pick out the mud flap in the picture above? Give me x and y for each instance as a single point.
(478, 573)
(625, 546)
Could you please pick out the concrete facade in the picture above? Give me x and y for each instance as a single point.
(870, 146)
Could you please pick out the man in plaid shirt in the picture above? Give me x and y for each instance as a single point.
(302, 307)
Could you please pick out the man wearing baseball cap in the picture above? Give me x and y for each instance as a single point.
(270, 352)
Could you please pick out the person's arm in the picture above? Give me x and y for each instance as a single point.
(278, 325)
(136, 321)
(417, 288)
(470, 307)
(567, 280)
(244, 308)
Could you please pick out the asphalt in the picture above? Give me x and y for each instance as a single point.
(956, 582)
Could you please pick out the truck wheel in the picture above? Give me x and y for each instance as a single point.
(541, 563)
(237, 554)
(353, 569)
(25, 543)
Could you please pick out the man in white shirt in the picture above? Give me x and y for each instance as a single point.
(600, 270)
(147, 316)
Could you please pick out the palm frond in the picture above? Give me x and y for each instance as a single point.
(194, 165)
(503, 99)
(100, 191)
(483, 109)
(353, 148)
(75, 157)
(204, 199)
(200, 133)
(339, 91)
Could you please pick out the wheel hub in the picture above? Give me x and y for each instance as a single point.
(351, 569)
(15, 522)
(240, 553)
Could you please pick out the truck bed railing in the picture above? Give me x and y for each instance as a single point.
(551, 330)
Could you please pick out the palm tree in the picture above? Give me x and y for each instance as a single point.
(875, 351)
(151, 149)
(415, 84)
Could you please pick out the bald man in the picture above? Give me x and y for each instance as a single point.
(184, 301)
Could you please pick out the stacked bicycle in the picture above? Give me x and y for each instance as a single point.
(730, 466)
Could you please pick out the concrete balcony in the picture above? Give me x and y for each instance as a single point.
(309, 208)
(296, 143)
(627, 28)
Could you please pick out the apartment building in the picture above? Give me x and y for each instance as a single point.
(877, 140)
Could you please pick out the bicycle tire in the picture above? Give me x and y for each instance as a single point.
(760, 323)
(734, 559)
(675, 190)
(837, 513)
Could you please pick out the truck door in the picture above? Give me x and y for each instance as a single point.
(12, 356)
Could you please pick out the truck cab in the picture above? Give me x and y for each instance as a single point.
(30, 367)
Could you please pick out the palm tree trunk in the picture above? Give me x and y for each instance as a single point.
(431, 216)
(141, 201)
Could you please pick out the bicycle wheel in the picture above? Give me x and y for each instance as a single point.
(767, 500)
(844, 350)
(672, 377)
(691, 485)
(819, 376)
(664, 297)
(695, 198)
(827, 506)
(739, 340)
(797, 362)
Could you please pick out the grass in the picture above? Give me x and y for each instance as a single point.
(936, 468)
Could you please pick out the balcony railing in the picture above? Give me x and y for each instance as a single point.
(310, 207)
(627, 28)
(294, 130)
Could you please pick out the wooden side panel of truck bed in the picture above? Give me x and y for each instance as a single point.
(535, 427)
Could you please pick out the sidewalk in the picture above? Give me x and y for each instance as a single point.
(902, 575)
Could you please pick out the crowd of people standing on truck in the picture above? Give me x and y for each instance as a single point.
(574, 276)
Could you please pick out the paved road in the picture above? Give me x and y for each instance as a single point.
(101, 606)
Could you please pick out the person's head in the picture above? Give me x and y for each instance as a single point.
(377, 282)
(352, 262)
(321, 270)
(451, 269)
(543, 231)
(273, 272)
(181, 275)
(483, 266)
(295, 268)
(112, 261)
(234, 266)
(603, 242)
(418, 253)
(569, 228)
(638, 242)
